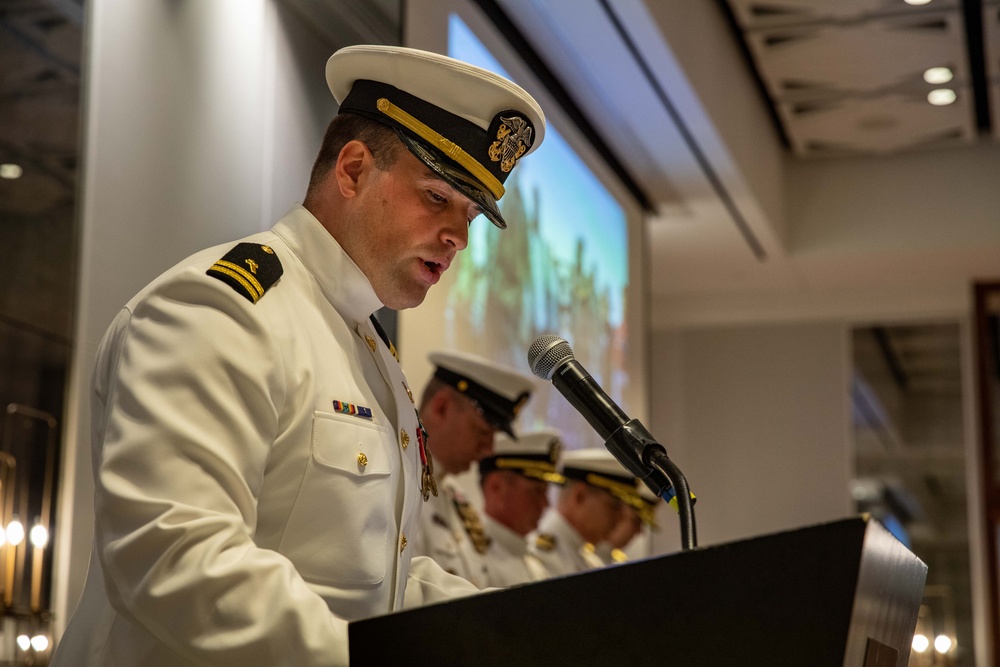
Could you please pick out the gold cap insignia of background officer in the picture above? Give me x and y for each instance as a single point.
(599, 468)
(532, 455)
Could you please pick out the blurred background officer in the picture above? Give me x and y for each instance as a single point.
(255, 470)
(465, 403)
(639, 513)
(515, 481)
(588, 508)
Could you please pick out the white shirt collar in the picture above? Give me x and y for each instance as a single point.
(342, 281)
(504, 536)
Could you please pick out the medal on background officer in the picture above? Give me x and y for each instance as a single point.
(465, 403)
(588, 508)
(259, 462)
(515, 481)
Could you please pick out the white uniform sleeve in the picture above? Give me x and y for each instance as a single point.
(189, 391)
(429, 583)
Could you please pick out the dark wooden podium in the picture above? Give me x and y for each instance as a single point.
(841, 594)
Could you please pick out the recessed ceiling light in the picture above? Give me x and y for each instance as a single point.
(938, 75)
(941, 96)
(917, 2)
(10, 170)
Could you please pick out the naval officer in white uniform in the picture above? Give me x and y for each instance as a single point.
(465, 403)
(258, 458)
(515, 481)
(589, 506)
(639, 516)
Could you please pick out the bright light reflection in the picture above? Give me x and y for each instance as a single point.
(10, 171)
(39, 643)
(24, 642)
(917, 2)
(941, 96)
(942, 643)
(938, 75)
(920, 643)
(39, 536)
(15, 532)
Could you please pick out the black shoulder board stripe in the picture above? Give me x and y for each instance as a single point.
(249, 268)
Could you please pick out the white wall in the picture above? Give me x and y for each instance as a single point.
(757, 419)
(200, 127)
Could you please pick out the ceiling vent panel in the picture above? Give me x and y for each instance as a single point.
(754, 14)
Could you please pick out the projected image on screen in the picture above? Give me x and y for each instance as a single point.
(561, 267)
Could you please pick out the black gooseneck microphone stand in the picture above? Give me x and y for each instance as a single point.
(551, 358)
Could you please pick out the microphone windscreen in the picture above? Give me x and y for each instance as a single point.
(547, 353)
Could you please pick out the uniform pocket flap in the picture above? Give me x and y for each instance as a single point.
(351, 445)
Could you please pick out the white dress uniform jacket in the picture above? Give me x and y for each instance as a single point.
(241, 519)
(443, 534)
(508, 562)
(558, 546)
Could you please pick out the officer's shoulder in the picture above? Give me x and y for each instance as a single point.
(249, 268)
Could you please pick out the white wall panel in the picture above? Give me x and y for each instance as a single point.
(757, 418)
(201, 123)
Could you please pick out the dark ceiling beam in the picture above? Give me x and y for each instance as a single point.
(71, 10)
(891, 357)
(40, 49)
(972, 12)
(741, 43)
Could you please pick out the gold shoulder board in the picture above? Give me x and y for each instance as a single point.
(249, 268)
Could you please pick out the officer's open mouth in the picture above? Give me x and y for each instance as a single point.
(434, 267)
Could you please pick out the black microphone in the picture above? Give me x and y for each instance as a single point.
(551, 358)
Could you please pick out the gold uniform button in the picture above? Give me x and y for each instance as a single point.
(371, 342)
(402, 543)
(362, 459)
(404, 438)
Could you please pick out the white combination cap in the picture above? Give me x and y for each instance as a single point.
(499, 391)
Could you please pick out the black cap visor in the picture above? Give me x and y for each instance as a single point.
(455, 176)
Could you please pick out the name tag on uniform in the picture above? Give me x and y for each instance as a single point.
(344, 408)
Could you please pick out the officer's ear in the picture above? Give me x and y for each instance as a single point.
(442, 403)
(353, 162)
(579, 492)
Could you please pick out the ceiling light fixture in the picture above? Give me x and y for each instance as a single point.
(942, 643)
(941, 97)
(9, 170)
(938, 75)
(917, 2)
